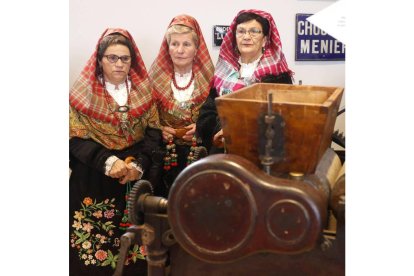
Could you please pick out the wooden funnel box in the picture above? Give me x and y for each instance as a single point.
(309, 115)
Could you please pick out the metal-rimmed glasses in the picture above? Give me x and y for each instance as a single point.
(253, 32)
(114, 58)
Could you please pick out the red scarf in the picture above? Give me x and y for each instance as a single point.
(226, 77)
(162, 70)
(87, 95)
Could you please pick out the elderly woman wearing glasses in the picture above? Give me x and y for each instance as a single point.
(251, 52)
(113, 131)
(181, 76)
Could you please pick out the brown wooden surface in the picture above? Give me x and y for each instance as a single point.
(309, 113)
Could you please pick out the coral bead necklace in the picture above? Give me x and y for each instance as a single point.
(185, 87)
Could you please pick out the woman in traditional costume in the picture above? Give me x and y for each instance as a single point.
(180, 77)
(113, 132)
(251, 52)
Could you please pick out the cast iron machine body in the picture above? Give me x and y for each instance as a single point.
(225, 216)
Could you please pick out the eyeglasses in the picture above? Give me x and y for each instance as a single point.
(253, 32)
(114, 58)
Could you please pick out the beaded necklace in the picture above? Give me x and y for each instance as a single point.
(185, 87)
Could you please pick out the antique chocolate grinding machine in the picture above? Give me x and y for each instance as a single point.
(274, 204)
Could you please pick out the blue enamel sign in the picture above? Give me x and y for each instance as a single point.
(314, 44)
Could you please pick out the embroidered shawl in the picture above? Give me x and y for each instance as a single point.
(161, 72)
(92, 111)
(227, 78)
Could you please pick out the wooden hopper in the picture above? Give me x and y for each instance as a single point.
(308, 113)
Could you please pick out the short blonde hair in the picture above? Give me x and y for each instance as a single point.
(181, 29)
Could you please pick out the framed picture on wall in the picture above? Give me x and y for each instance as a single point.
(219, 31)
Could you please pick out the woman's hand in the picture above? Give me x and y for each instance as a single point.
(125, 171)
(167, 132)
(190, 132)
(132, 175)
(119, 169)
(218, 139)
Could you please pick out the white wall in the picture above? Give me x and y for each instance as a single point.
(148, 20)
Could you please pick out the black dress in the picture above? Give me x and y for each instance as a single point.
(167, 177)
(208, 123)
(97, 205)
